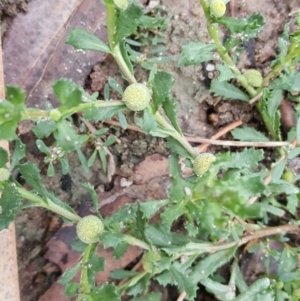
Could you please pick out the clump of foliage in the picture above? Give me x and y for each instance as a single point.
(218, 202)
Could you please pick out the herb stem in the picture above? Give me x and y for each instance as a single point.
(48, 204)
(84, 272)
(181, 139)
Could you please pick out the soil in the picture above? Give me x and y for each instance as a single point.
(199, 114)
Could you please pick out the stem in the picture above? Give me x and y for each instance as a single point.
(111, 24)
(136, 242)
(48, 204)
(181, 139)
(30, 114)
(85, 268)
(122, 65)
(115, 47)
(132, 281)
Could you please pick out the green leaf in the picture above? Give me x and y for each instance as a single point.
(184, 282)
(161, 237)
(82, 160)
(122, 274)
(149, 208)
(69, 274)
(111, 140)
(148, 122)
(10, 205)
(111, 239)
(139, 287)
(248, 134)
(31, 174)
(122, 120)
(107, 291)
(81, 39)
(170, 109)
(68, 93)
(15, 95)
(115, 85)
(149, 297)
(177, 148)
(257, 287)
(225, 73)
(210, 264)
(96, 264)
(161, 87)
(278, 171)
(290, 82)
(67, 138)
(248, 28)
(172, 213)
(44, 128)
(3, 157)
(248, 158)
(273, 101)
(227, 91)
(292, 203)
(128, 21)
(195, 53)
(120, 250)
(293, 153)
(94, 197)
(19, 153)
(101, 114)
(177, 191)
(11, 112)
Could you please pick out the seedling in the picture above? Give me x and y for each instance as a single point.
(229, 199)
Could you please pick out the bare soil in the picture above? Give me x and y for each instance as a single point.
(199, 114)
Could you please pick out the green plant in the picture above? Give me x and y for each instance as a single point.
(218, 205)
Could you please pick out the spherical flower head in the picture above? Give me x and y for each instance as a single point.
(121, 4)
(148, 262)
(254, 77)
(217, 8)
(136, 97)
(55, 114)
(4, 174)
(202, 163)
(89, 228)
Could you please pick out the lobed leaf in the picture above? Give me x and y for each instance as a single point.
(227, 91)
(248, 134)
(195, 53)
(10, 205)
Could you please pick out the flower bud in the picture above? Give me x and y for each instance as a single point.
(254, 78)
(89, 228)
(217, 8)
(136, 97)
(148, 262)
(202, 163)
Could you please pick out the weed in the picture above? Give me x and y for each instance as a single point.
(227, 203)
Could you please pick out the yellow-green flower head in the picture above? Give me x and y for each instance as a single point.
(148, 262)
(89, 228)
(137, 97)
(217, 8)
(121, 4)
(4, 174)
(254, 77)
(202, 163)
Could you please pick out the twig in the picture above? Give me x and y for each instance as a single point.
(268, 178)
(219, 134)
(255, 98)
(181, 296)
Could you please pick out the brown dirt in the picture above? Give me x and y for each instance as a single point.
(199, 114)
